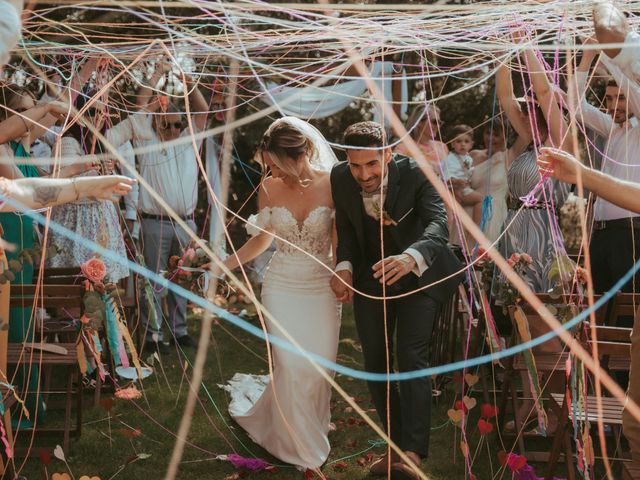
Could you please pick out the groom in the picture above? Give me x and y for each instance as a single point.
(411, 248)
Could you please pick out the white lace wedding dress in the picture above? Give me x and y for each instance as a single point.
(289, 416)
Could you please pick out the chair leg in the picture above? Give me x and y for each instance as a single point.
(504, 396)
(568, 456)
(98, 390)
(554, 455)
(519, 426)
(78, 430)
(67, 409)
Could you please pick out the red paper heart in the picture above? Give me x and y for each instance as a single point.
(517, 462)
(45, 456)
(340, 466)
(488, 411)
(502, 457)
(484, 427)
(459, 405)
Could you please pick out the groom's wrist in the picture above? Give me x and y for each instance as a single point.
(420, 263)
(344, 265)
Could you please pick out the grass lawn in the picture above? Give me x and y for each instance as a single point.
(110, 440)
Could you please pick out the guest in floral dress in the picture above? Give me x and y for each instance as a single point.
(95, 220)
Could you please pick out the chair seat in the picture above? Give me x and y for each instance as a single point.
(545, 362)
(630, 470)
(18, 353)
(611, 409)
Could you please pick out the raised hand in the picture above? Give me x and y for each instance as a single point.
(559, 164)
(611, 26)
(108, 187)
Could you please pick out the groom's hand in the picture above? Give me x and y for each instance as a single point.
(394, 267)
(341, 284)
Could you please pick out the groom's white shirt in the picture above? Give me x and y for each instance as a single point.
(368, 203)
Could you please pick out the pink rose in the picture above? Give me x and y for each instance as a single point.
(190, 254)
(511, 262)
(94, 270)
(515, 257)
(527, 258)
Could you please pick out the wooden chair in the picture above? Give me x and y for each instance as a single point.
(50, 355)
(622, 305)
(547, 363)
(446, 330)
(614, 352)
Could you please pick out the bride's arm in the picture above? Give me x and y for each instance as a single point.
(253, 247)
(250, 250)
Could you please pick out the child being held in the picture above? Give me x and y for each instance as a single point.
(458, 166)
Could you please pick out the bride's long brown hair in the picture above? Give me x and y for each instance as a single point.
(287, 145)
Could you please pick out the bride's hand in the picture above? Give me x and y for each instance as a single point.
(215, 270)
(341, 284)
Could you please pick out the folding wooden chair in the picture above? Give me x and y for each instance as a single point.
(547, 363)
(51, 354)
(614, 352)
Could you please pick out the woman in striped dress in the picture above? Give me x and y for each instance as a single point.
(531, 224)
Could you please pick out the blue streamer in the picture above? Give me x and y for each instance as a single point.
(487, 210)
(111, 326)
(279, 342)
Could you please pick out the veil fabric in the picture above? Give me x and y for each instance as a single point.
(323, 157)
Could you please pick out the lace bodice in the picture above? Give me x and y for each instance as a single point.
(313, 235)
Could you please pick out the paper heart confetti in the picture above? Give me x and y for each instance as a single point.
(87, 477)
(513, 461)
(488, 411)
(455, 415)
(484, 427)
(45, 456)
(459, 405)
(469, 402)
(471, 379)
(59, 453)
(60, 476)
(464, 446)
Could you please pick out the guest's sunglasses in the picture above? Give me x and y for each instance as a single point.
(174, 125)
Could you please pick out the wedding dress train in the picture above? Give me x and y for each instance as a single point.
(289, 416)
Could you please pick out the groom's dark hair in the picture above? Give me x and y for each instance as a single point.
(365, 134)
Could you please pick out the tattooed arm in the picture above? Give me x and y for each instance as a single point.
(31, 193)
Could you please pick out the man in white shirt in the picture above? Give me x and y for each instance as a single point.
(172, 171)
(612, 27)
(615, 240)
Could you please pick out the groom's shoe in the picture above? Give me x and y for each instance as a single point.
(402, 471)
(381, 466)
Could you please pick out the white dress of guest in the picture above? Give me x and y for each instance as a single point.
(98, 221)
(490, 178)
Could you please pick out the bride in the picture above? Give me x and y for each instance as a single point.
(288, 414)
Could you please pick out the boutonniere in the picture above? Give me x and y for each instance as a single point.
(381, 213)
(386, 218)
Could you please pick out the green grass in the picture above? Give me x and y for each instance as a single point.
(105, 446)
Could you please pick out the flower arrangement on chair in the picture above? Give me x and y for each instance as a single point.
(102, 314)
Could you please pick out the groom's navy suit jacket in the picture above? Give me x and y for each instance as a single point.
(421, 220)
